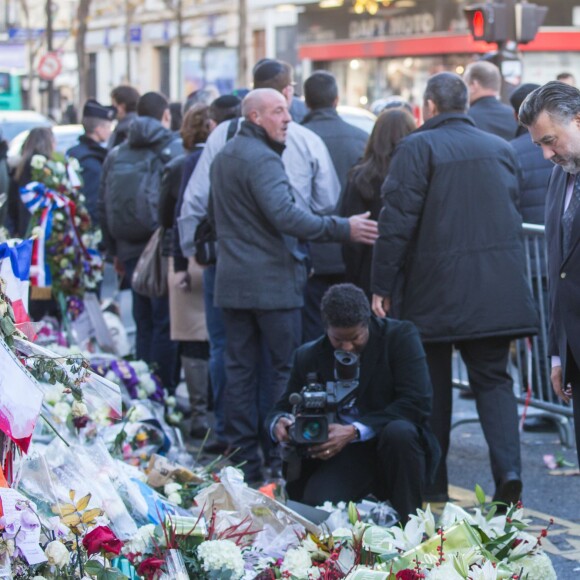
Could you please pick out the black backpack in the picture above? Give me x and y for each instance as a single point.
(134, 189)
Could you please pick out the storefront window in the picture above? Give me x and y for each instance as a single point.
(363, 81)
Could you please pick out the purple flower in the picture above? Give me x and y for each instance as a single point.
(29, 520)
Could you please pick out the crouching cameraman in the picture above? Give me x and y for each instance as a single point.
(372, 436)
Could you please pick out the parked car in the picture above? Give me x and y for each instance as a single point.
(358, 117)
(14, 122)
(65, 136)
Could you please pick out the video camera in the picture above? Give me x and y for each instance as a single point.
(317, 405)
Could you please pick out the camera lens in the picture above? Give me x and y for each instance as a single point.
(311, 430)
(345, 365)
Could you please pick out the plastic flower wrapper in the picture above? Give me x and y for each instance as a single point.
(231, 494)
(76, 379)
(20, 529)
(338, 517)
(134, 443)
(49, 476)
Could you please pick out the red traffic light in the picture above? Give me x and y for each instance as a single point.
(478, 24)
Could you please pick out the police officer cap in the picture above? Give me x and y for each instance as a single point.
(94, 109)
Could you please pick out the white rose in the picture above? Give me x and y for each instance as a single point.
(297, 562)
(59, 167)
(148, 385)
(79, 409)
(61, 411)
(140, 366)
(170, 401)
(37, 161)
(57, 554)
(174, 498)
(171, 488)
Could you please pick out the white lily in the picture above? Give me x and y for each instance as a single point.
(487, 571)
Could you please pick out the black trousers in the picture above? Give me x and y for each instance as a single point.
(249, 397)
(573, 378)
(486, 361)
(390, 466)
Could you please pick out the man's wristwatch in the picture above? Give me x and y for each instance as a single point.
(356, 433)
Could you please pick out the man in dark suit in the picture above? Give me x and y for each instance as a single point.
(381, 442)
(483, 80)
(552, 115)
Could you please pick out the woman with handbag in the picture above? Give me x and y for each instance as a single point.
(185, 285)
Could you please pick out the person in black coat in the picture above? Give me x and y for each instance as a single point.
(363, 189)
(380, 440)
(450, 234)
(346, 145)
(535, 170)
(484, 82)
(551, 114)
(91, 151)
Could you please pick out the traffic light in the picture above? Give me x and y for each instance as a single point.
(480, 18)
(529, 17)
(505, 20)
(489, 22)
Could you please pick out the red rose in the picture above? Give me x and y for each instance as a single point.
(80, 422)
(408, 575)
(102, 539)
(150, 567)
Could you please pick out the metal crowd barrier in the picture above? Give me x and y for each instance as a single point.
(529, 363)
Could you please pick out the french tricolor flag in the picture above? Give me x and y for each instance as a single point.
(15, 270)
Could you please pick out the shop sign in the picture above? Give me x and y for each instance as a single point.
(423, 23)
(319, 25)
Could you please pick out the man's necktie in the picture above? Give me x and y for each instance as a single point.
(568, 217)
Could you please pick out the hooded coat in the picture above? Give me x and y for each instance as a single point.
(145, 133)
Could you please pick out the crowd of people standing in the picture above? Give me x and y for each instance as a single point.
(311, 215)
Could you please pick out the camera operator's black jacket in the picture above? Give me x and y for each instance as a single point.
(394, 379)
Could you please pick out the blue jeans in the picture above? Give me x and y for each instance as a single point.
(153, 340)
(217, 346)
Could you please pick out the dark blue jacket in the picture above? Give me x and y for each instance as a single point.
(91, 157)
(492, 116)
(535, 171)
